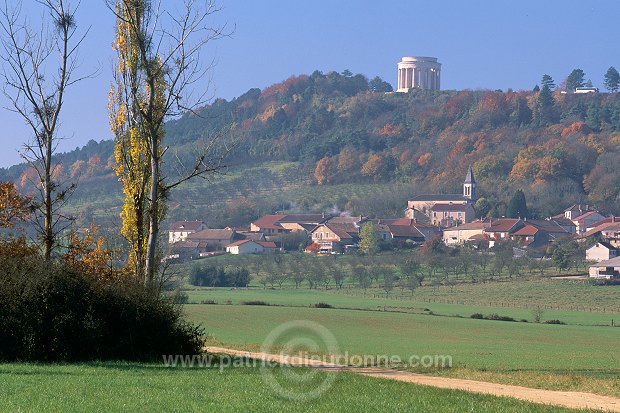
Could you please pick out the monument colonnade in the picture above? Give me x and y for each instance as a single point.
(419, 72)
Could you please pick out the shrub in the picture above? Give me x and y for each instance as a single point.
(208, 302)
(212, 276)
(499, 317)
(495, 317)
(555, 322)
(322, 305)
(52, 312)
(254, 303)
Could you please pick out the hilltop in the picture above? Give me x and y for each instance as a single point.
(321, 141)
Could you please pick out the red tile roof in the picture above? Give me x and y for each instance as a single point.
(186, 226)
(267, 244)
(502, 225)
(610, 226)
(304, 218)
(605, 221)
(527, 230)
(550, 226)
(584, 216)
(237, 243)
(269, 221)
(405, 231)
(344, 231)
(273, 221)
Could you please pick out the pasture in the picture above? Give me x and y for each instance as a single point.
(578, 356)
(122, 387)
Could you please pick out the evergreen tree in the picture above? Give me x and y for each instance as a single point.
(536, 88)
(548, 81)
(612, 79)
(575, 79)
(543, 110)
(517, 207)
(379, 85)
(522, 114)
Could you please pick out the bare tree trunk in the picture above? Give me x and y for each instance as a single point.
(154, 217)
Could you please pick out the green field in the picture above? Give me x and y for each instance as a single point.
(581, 355)
(374, 300)
(119, 387)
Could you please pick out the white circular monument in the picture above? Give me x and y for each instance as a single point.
(418, 72)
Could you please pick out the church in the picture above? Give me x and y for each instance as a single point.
(446, 210)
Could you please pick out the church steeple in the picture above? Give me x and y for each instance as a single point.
(469, 186)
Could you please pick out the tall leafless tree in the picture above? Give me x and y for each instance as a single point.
(39, 67)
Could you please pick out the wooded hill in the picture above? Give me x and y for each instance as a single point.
(330, 141)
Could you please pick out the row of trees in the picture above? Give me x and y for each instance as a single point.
(433, 265)
(576, 79)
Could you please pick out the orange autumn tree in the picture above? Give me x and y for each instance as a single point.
(325, 170)
(90, 255)
(13, 206)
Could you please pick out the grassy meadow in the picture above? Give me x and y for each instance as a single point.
(580, 355)
(122, 387)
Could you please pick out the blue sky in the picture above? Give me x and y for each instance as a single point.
(492, 44)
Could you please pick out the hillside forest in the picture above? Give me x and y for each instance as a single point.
(331, 142)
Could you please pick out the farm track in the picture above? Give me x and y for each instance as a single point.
(570, 399)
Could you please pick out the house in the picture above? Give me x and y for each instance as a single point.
(179, 230)
(217, 239)
(462, 234)
(574, 211)
(401, 230)
(251, 247)
(601, 251)
(607, 269)
(585, 89)
(565, 223)
(281, 223)
(608, 220)
(608, 232)
(334, 237)
(188, 249)
(446, 209)
(448, 215)
(528, 233)
(587, 219)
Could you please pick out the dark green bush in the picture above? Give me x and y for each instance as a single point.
(477, 316)
(254, 303)
(322, 305)
(49, 312)
(555, 322)
(213, 276)
(499, 317)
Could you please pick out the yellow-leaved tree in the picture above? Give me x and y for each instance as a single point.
(158, 63)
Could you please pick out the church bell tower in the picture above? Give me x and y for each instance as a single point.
(469, 186)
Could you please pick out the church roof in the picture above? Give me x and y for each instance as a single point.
(469, 179)
(438, 197)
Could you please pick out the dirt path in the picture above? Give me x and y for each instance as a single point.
(576, 400)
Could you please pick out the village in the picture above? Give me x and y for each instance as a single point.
(450, 217)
